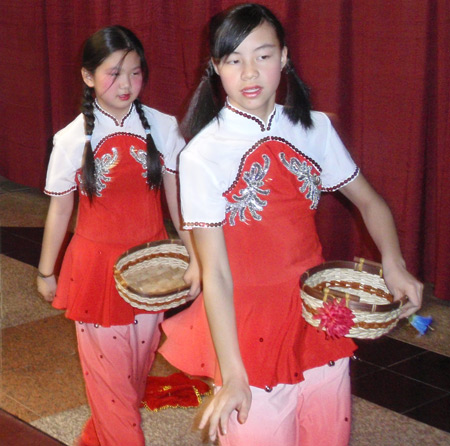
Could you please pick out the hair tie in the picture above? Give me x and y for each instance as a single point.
(147, 131)
(289, 67)
(209, 72)
(88, 138)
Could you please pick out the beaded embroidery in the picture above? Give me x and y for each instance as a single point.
(248, 198)
(103, 166)
(141, 157)
(251, 117)
(311, 182)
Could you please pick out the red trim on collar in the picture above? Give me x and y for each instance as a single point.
(261, 124)
(121, 123)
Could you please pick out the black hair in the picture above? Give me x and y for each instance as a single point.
(96, 49)
(227, 31)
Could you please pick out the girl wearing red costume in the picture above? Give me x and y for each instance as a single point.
(251, 180)
(117, 153)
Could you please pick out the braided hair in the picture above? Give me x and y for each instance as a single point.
(96, 49)
(227, 31)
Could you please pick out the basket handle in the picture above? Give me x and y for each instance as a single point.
(361, 261)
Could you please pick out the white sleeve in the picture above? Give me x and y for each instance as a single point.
(174, 145)
(338, 167)
(167, 137)
(65, 159)
(202, 200)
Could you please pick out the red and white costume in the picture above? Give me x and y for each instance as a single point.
(116, 341)
(262, 183)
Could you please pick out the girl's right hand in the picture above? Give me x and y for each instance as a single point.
(235, 395)
(47, 287)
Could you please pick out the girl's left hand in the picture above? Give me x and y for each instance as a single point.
(192, 278)
(401, 283)
(233, 396)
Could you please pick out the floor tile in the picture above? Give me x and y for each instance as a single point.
(37, 342)
(41, 370)
(19, 248)
(23, 208)
(394, 391)
(435, 413)
(385, 351)
(373, 425)
(21, 303)
(429, 368)
(15, 432)
(360, 368)
(12, 406)
(49, 387)
(28, 233)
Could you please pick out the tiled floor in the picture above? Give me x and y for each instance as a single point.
(399, 380)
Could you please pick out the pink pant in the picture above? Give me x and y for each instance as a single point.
(315, 412)
(115, 363)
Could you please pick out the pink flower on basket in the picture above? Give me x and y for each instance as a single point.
(335, 318)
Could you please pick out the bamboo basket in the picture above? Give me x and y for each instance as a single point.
(358, 286)
(150, 276)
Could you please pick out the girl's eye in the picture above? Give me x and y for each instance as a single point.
(231, 61)
(264, 57)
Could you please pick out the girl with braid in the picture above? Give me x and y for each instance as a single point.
(250, 181)
(117, 153)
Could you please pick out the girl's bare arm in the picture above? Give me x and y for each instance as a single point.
(380, 224)
(56, 224)
(192, 275)
(218, 295)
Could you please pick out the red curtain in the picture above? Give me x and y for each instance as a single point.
(380, 69)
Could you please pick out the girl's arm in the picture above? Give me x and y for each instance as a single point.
(192, 275)
(56, 224)
(218, 296)
(380, 224)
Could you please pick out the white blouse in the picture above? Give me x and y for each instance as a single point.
(68, 143)
(210, 162)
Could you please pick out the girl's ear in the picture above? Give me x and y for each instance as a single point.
(284, 56)
(214, 64)
(87, 77)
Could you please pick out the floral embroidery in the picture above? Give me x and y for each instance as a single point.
(103, 166)
(311, 181)
(141, 157)
(248, 198)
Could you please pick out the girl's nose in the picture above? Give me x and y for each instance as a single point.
(249, 72)
(124, 82)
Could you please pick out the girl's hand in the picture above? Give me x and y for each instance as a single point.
(235, 395)
(192, 278)
(401, 283)
(47, 287)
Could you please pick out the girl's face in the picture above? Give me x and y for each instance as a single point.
(251, 74)
(117, 82)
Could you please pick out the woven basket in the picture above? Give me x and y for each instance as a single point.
(150, 276)
(360, 284)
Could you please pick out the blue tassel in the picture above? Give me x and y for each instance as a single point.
(420, 323)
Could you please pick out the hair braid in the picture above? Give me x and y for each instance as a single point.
(88, 167)
(154, 170)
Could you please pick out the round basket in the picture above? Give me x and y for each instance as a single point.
(150, 276)
(349, 299)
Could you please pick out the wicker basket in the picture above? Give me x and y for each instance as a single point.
(359, 287)
(150, 276)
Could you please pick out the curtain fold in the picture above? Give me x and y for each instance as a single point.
(379, 69)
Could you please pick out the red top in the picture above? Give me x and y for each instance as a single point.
(271, 240)
(123, 214)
